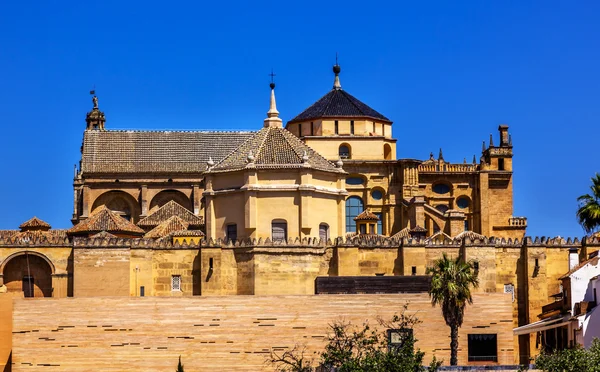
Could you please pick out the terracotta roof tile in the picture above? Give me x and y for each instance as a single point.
(418, 229)
(273, 148)
(338, 103)
(469, 234)
(34, 224)
(439, 236)
(155, 151)
(172, 224)
(404, 233)
(169, 210)
(366, 215)
(103, 219)
(103, 234)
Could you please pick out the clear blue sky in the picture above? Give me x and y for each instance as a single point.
(447, 73)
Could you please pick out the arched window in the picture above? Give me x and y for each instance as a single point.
(324, 232)
(441, 188)
(344, 152)
(387, 152)
(354, 206)
(279, 230)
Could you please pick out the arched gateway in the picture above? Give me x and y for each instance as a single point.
(28, 272)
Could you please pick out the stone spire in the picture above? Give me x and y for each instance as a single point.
(273, 120)
(336, 70)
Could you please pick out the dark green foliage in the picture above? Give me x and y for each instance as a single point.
(588, 213)
(179, 366)
(576, 359)
(451, 284)
(363, 348)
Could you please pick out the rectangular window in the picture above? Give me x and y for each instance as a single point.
(466, 225)
(413, 270)
(312, 128)
(323, 232)
(232, 232)
(279, 231)
(337, 128)
(372, 229)
(483, 348)
(351, 126)
(176, 283)
(379, 223)
(509, 288)
(363, 229)
(500, 164)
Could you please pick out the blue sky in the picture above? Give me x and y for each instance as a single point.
(446, 73)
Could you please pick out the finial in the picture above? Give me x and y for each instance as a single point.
(250, 157)
(74, 170)
(441, 157)
(491, 140)
(339, 163)
(272, 119)
(474, 160)
(336, 70)
(431, 156)
(483, 147)
(305, 157)
(210, 162)
(94, 99)
(465, 161)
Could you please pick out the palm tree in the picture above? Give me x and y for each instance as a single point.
(451, 284)
(588, 213)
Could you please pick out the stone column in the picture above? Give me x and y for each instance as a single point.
(144, 200)
(196, 197)
(85, 194)
(75, 202)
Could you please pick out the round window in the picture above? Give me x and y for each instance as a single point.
(462, 202)
(441, 188)
(376, 194)
(354, 181)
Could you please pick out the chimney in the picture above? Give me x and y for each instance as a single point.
(573, 258)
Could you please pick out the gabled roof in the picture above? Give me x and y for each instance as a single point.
(167, 227)
(34, 224)
(169, 210)
(404, 233)
(469, 234)
(273, 148)
(366, 215)
(103, 234)
(338, 103)
(103, 219)
(155, 151)
(440, 236)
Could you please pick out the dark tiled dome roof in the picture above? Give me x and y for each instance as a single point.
(338, 103)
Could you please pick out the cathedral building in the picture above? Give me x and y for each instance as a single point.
(268, 212)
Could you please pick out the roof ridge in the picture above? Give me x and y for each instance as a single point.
(352, 99)
(262, 143)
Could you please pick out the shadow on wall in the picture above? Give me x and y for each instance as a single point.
(8, 365)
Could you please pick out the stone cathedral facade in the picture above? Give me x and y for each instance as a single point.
(266, 212)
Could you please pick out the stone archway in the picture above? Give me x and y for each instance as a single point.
(28, 272)
(166, 196)
(121, 203)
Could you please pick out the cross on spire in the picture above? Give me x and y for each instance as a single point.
(272, 75)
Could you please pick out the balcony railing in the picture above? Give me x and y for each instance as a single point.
(446, 167)
(517, 221)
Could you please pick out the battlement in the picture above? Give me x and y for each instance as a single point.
(442, 167)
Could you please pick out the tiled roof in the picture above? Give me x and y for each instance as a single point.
(187, 233)
(439, 236)
(418, 229)
(366, 215)
(338, 103)
(103, 234)
(469, 234)
(34, 224)
(404, 233)
(273, 148)
(169, 210)
(172, 224)
(155, 151)
(103, 219)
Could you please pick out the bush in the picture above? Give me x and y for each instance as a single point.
(576, 359)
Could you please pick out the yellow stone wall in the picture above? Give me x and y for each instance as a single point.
(6, 322)
(101, 272)
(361, 148)
(231, 333)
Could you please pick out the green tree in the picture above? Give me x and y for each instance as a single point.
(363, 348)
(179, 366)
(451, 284)
(576, 359)
(588, 213)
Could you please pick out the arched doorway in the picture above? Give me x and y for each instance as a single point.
(387, 152)
(166, 196)
(28, 273)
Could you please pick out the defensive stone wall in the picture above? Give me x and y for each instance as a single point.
(229, 333)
